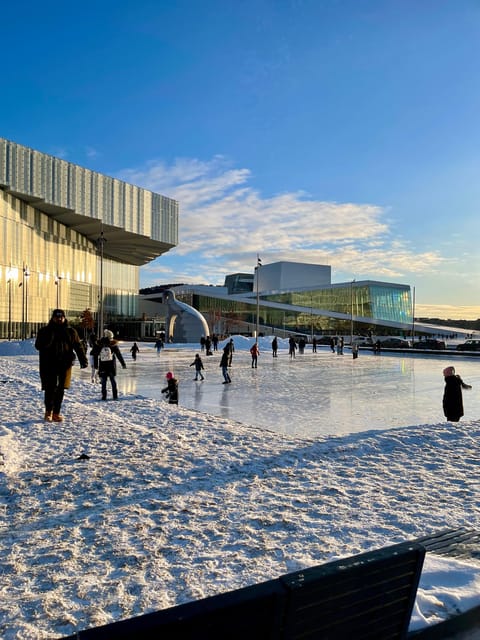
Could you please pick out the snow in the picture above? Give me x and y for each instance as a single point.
(175, 503)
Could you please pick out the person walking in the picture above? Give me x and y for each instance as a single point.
(198, 364)
(254, 351)
(92, 341)
(224, 365)
(274, 347)
(57, 343)
(134, 350)
(452, 395)
(171, 390)
(108, 354)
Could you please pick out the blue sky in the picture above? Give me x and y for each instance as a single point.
(334, 132)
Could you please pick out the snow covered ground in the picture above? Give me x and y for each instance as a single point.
(132, 506)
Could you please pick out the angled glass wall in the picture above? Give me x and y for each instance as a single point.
(368, 304)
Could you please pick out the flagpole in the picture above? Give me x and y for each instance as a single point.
(259, 264)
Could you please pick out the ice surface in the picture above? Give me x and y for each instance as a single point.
(315, 393)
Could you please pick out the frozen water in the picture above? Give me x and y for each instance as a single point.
(328, 393)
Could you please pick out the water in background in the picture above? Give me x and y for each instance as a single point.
(313, 394)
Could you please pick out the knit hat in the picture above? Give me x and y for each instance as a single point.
(169, 375)
(449, 371)
(108, 334)
(58, 312)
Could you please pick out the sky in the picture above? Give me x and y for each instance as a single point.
(133, 506)
(324, 131)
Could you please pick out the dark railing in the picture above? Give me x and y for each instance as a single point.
(364, 597)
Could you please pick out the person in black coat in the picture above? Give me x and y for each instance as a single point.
(57, 344)
(274, 347)
(224, 364)
(108, 353)
(452, 396)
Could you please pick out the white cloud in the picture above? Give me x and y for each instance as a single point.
(225, 222)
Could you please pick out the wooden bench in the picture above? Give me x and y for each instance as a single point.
(367, 596)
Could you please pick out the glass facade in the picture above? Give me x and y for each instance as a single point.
(51, 216)
(328, 310)
(47, 265)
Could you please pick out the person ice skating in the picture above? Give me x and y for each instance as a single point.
(314, 344)
(292, 346)
(355, 350)
(274, 347)
(198, 364)
(208, 346)
(158, 345)
(332, 344)
(57, 343)
(452, 395)
(171, 390)
(340, 344)
(224, 364)
(134, 350)
(108, 353)
(254, 351)
(231, 350)
(301, 345)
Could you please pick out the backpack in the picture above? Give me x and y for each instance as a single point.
(106, 354)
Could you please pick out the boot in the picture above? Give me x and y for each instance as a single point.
(48, 416)
(57, 417)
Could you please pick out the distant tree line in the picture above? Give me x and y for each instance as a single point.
(471, 325)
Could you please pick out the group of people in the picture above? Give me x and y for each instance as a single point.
(207, 343)
(59, 345)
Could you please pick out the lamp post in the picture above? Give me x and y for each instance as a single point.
(25, 276)
(100, 242)
(9, 282)
(351, 311)
(57, 284)
(259, 264)
(413, 316)
(311, 318)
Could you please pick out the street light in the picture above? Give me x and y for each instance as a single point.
(100, 242)
(351, 311)
(413, 316)
(9, 282)
(24, 284)
(57, 284)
